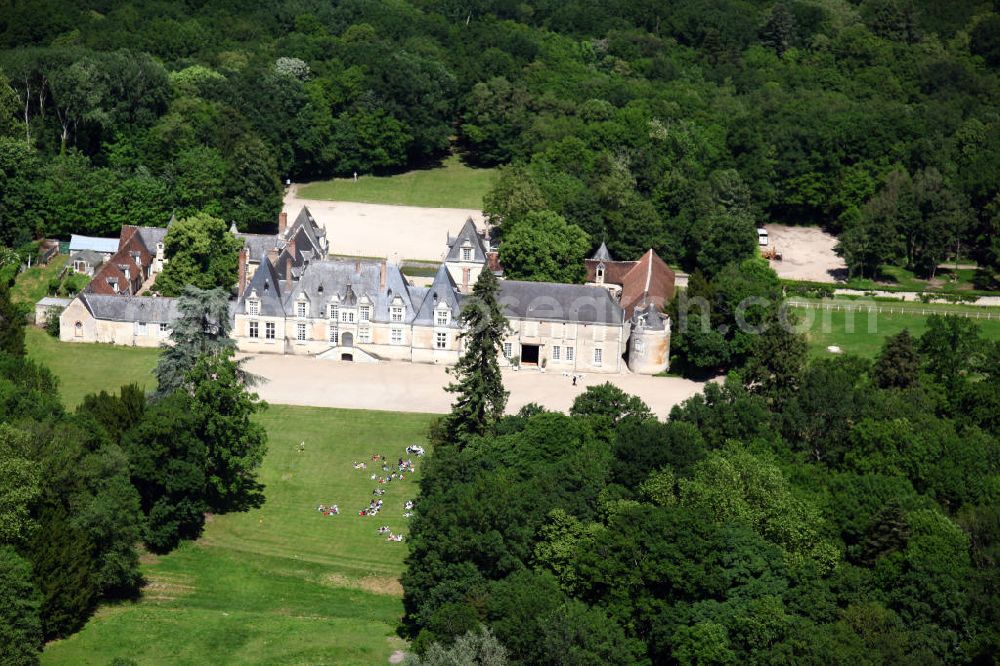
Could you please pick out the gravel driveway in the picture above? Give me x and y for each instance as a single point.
(417, 387)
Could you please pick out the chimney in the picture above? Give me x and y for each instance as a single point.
(288, 275)
(272, 256)
(282, 222)
(381, 276)
(243, 272)
(291, 248)
(357, 266)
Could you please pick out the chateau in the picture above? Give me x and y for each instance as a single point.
(294, 298)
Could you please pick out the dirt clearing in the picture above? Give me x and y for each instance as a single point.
(377, 230)
(807, 254)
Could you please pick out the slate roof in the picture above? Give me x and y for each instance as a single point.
(559, 302)
(649, 317)
(258, 244)
(151, 236)
(442, 288)
(92, 257)
(340, 281)
(149, 309)
(602, 253)
(315, 234)
(104, 245)
(467, 237)
(53, 302)
(268, 286)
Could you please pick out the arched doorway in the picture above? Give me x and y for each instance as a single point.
(346, 340)
(347, 357)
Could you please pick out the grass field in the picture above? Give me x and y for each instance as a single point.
(283, 583)
(896, 278)
(451, 185)
(88, 368)
(33, 284)
(864, 333)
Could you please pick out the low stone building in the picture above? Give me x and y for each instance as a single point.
(48, 306)
(134, 321)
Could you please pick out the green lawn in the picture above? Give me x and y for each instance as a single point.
(33, 284)
(451, 185)
(865, 336)
(896, 278)
(283, 583)
(280, 584)
(88, 368)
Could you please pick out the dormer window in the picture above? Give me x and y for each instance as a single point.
(600, 273)
(442, 316)
(466, 254)
(300, 309)
(396, 313)
(333, 311)
(253, 307)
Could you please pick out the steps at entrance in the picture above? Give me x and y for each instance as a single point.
(352, 354)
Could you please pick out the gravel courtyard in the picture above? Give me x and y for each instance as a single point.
(416, 387)
(377, 230)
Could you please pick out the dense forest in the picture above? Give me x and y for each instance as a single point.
(834, 511)
(663, 124)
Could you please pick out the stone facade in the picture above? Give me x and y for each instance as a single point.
(293, 298)
(133, 321)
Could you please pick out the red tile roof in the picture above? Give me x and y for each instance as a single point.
(127, 268)
(646, 281)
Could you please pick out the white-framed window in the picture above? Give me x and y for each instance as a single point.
(396, 313)
(300, 331)
(365, 334)
(164, 330)
(365, 313)
(140, 328)
(300, 309)
(556, 352)
(466, 254)
(334, 334)
(269, 330)
(598, 355)
(396, 335)
(80, 266)
(253, 307)
(442, 317)
(333, 311)
(254, 329)
(347, 316)
(600, 273)
(640, 346)
(569, 353)
(440, 340)
(508, 349)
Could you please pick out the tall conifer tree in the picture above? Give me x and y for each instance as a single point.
(481, 397)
